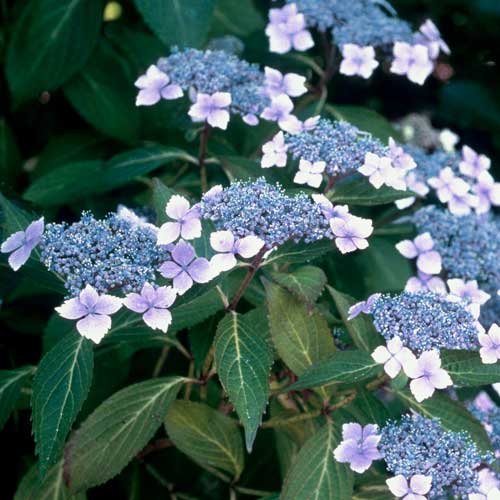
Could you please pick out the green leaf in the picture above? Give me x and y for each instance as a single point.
(315, 473)
(341, 366)
(243, 359)
(240, 18)
(365, 119)
(103, 93)
(161, 196)
(466, 369)
(367, 408)
(75, 181)
(52, 487)
(306, 283)
(293, 253)
(51, 42)
(360, 328)
(61, 385)
(10, 156)
(116, 431)
(205, 435)
(357, 190)
(11, 383)
(14, 218)
(183, 23)
(451, 413)
(301, 337)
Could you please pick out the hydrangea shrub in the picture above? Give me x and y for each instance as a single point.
(233, 289)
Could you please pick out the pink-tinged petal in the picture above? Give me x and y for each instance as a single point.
(430, 361)
(294, 84)
(302, 41)
(200, 270)
(413, 369)
(249, 246)
(222, 241)
(158, 319)
(494, 334)
(414, 284)
(421, 388)
(148, 292)
(381, 354)
(429, 262)
(191, 229)
(398, 485)
(406, 357)
(485, 340)
(177, 207)
(348, 67)
(407, 249)
(367, 68)
(170, 269)
(441, 379)
(164, 297)
(414, 496)
(488, 355)
(223, 262)
(89, 297)
(13, 242)
(107, 304)
(392, 367)
(182, 283)
(72, 309)
(147, 97)
(421, 484)
(345, 245)
(279, 42)
(171, 92)
(301, 177)
(251, 119)
(19, 257)
(34, 231)
(219, 118)
(94, 326)
(136, 303)
(394, 345)
(221, 99)
(419, 73)
(183, 253)
(360, 243)
(168, 233)
(291, 124)
(353, 431)
(423, 242)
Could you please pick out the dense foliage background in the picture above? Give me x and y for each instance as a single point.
(67, 107)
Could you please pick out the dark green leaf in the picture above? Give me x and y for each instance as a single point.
(357, 190)
(60, 387)
(315, 473)
(466, 369)
(205, 435)
(51, 42)
(184, 23)
(11, 383)
(161, 196)
(306, 283)
(301, 336)
(360, 328)
(243, 359)
(341, 366)
(240, 18)
(10, 157)
(293, 253)
(116, 431)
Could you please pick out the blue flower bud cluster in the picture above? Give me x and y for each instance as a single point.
(341, 145)
(418, 445)
(263, 209)
(213, 71)
(363, 22)
(469, 246)
(490, 418)
(107, 254)
(425, 320)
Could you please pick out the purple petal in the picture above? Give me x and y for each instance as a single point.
(107, 304)
(89, 297)
(221, 99)
(200, 270)
(94, 326)
(136, 303)
(182, 282)
(13, 242)
(165, 297)
(352, 431)
(171, 92)
(183, 253)
(147, 97)
(218, 118)
(168, 233)
(249, 246)
(421, 388)
(421, 484)
(360, 463)
(429, 262)
(222, 241)
(170, 269)
(72, 309)
(346, 451)
(191, 229)
(19, 257)
(34, 231)
(158, 319)
(177, 207)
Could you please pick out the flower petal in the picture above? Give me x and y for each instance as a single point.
(158, 319)
(94, 326)
(72, 309)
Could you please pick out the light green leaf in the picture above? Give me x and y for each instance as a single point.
(466, 369)
(451, 413)
(116, 431)
(52, 487)
(10, 156)
(75, 181)
(60, 387)
(357, 190)
(11, 383)
(297, 253)
(243, 359)
(360, 328)
(51, 42)
(301, 337)
(306, 283)
(205, 435)
(103, 93)
(315, 474)
(183, 23)
(341, 366)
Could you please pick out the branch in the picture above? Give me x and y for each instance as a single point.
(202, 156)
